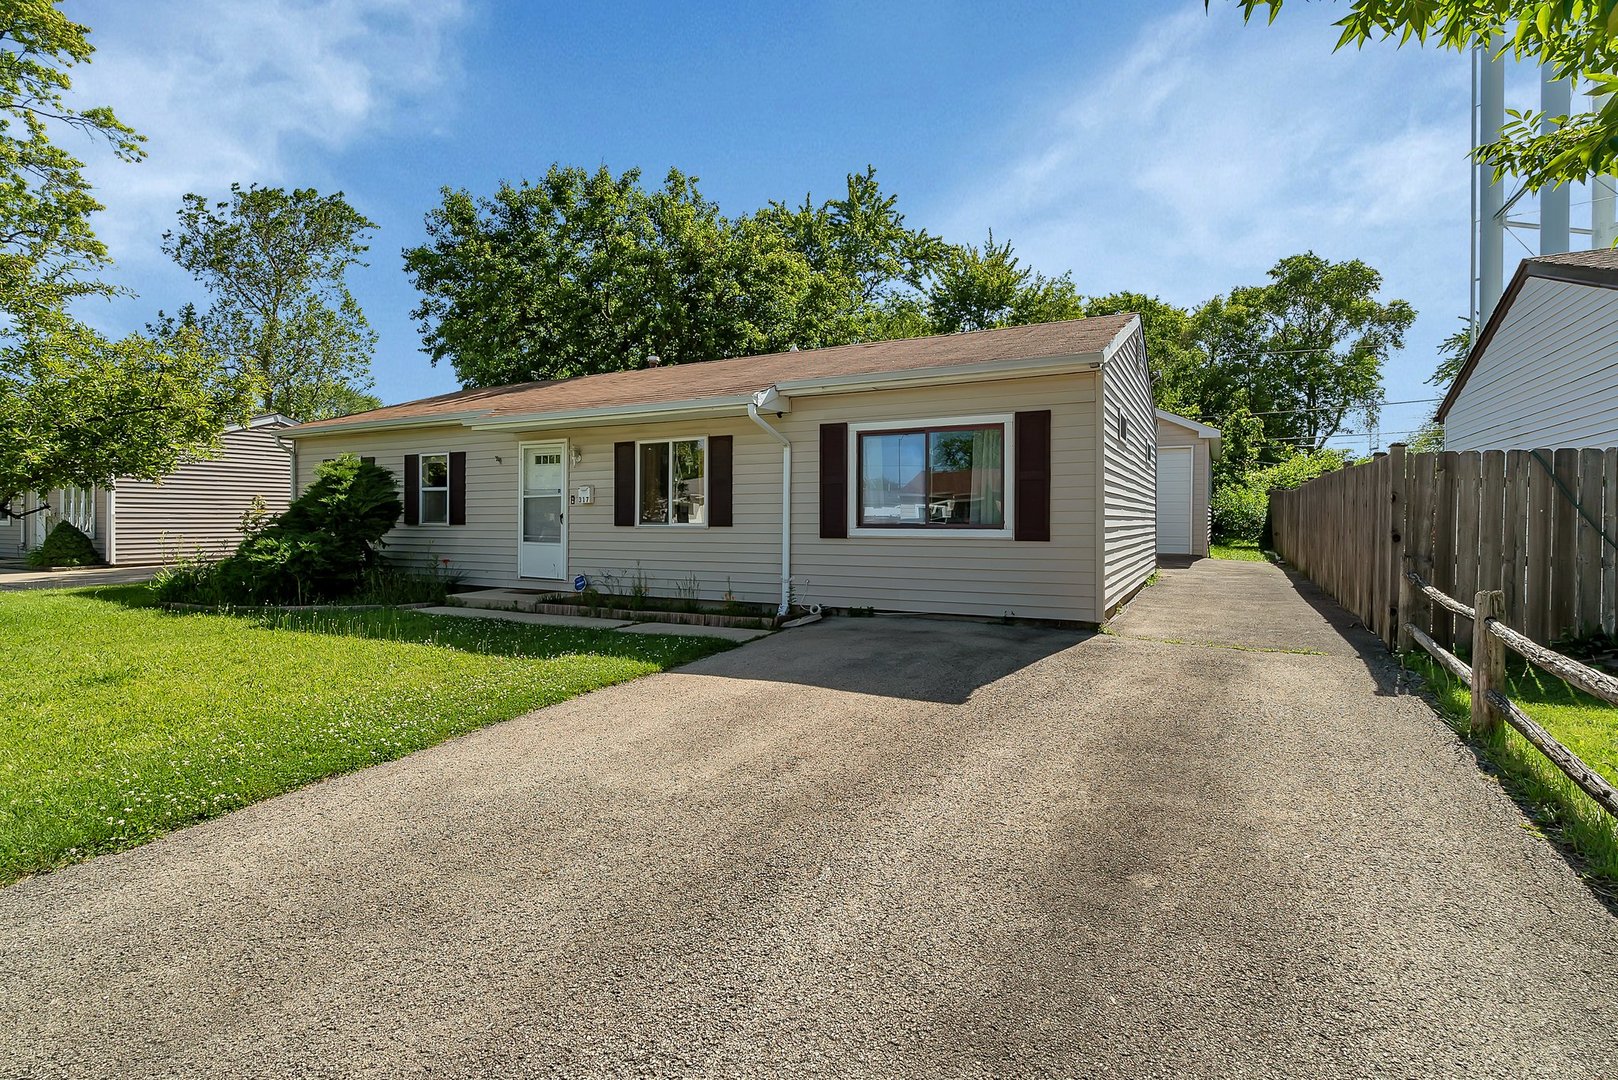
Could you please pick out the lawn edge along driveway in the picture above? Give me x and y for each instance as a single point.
(124, 722)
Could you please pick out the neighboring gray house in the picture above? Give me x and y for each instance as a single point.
(1186, 451)
(1544, 370)
(196, 509)
(990, 473)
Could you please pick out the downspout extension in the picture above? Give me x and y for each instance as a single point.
(771, 399)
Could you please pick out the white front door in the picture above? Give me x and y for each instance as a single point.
(542, 520)
(1174, 500)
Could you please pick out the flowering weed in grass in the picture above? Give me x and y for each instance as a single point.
(119, 722)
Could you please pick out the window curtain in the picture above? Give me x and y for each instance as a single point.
(988, 477)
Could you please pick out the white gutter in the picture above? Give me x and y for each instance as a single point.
(771, 399)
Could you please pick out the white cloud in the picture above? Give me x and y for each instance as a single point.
(1210, 149)
(230, 91)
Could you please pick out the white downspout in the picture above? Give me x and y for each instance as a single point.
(771, 399)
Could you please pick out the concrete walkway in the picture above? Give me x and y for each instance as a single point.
(14, 577)
(865, 848)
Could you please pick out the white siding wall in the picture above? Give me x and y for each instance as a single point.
(197, 509)
(1129, 482)
(1171, 434)
(1549, 378)
(934, 573)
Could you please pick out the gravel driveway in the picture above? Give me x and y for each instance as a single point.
(865, 848)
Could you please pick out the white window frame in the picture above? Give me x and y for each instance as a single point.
(422, 489)
(706, 481)
(1005, 421)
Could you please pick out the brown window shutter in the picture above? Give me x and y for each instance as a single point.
(1033, 443)
(833, 481)
(721, 469)
(412, 489)
(457, 487)
(623, 483)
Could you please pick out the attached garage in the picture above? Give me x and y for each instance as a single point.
(1185, 454)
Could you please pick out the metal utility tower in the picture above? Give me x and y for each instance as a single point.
(1491, 206)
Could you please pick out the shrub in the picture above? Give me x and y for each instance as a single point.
(322, 548)
(1240, 507)
(65, 545)
(1238, 512)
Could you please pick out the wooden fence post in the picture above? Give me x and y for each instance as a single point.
(1398, 636)
(1488, 660)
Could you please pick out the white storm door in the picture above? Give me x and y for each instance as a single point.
(542, 543)
(1174, 500)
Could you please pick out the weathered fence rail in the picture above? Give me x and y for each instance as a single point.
(1485, 677)
(1538, 526)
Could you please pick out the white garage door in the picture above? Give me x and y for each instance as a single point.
(1174, 500)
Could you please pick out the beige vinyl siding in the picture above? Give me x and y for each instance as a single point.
(946, 572)
(11, 537)
(1129, 476)
(933, 573)
(1549, 377)
(198, 508)
(484, 550)
(1172, 434)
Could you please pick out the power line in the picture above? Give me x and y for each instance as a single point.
(1346, 408)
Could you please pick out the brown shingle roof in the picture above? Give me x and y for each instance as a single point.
(1600, 258)
(748, 374)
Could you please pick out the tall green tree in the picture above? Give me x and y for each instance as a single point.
(76, 408)
(583, 272)
(978, 288)
(1577, 38)
(275, 263)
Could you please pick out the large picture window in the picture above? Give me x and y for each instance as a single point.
(673, 482)
(434, 488)
(942, 477)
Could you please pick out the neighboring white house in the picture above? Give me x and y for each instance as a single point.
(1001, 472)
(1544, 370)
(1186, 451)
(196, 509)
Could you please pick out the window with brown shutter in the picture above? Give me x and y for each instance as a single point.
(457, 487)
(1033, 464)
(834, 481)
(623, 484)
(721, 468)
(412, 489)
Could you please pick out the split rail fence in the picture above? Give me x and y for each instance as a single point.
(1538, 526)
(1485, 677)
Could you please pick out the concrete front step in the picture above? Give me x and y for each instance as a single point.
(533, 618)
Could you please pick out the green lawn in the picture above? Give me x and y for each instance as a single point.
(1237, 550)
(121, 722)
(1585, 726)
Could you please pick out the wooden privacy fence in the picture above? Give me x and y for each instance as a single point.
(1537, 526)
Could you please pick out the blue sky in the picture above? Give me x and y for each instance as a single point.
(1145, 146)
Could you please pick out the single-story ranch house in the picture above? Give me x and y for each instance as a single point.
(999, 472)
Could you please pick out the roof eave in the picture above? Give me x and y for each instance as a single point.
(309, 431)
